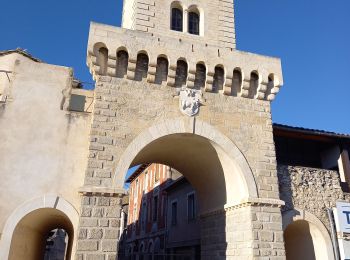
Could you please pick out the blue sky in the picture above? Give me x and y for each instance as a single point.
(311, 37)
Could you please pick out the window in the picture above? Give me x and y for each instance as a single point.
(174, 213)
(155, 208)
(143, 216)
(191, 207)
(176, 19)
(193, 23)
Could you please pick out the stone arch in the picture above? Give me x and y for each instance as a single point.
(300, 222)
(61, 212)
(233, 188)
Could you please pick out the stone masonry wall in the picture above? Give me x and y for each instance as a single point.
(123, 109)
(250, 227)
(309, 189)
(99, 228)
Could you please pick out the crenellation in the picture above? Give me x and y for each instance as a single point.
(268, 79)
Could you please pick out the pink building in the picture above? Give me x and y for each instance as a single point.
(147, 209)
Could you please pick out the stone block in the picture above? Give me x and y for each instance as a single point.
(103, 201)
(111, 233)
(109, 245)
(95, 257)
(113, 212)
(266, 236)
(88, 222)
(104, 222)
(82, 233)
(86, 212)
(98, 212)
(87, 245)
(95, 234)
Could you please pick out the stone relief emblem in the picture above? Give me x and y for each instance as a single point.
(189, 101)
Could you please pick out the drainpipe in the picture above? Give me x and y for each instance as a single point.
(333, 234)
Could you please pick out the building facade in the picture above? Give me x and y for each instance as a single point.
(172, 89)
(146, 232)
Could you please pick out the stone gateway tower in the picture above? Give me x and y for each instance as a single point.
(171, 88)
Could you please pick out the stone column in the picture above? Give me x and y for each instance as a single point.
(99, 227)
(247, 231)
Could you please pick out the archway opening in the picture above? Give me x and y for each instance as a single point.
(216, 181)
(303, 240)
(33, 232)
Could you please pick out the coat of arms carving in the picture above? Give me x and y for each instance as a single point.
(190, 101)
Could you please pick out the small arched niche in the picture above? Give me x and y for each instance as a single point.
(176, 17)
(200, 77)
(181, 73)
(122, 63)
(236, 82)
(162, 70)
(219, 78)
(101, 53)
(254, 84)
(141, 66)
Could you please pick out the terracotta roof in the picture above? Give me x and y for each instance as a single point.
(309, 131)
(20, 51)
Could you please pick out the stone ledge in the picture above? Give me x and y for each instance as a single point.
(103, 191)
(275, 203)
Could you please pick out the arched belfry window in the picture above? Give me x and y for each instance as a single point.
(193, 23)
(176, 19)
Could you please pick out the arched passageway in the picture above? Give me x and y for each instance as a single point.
(27, 228)
(206, 166)
(29, 237)
(212, 164)
(306, 237)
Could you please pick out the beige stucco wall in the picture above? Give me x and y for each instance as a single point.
(43, 147)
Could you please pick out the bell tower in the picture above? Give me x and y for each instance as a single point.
(171, 88)
(213, 19)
